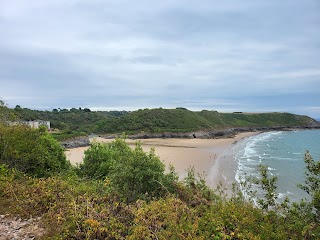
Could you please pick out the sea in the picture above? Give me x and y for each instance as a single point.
(283, 153)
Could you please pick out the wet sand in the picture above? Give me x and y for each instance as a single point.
(212, 157)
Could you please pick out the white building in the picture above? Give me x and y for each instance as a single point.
(33, 124)
(38, 123)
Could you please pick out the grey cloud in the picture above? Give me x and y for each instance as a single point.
(207, 54)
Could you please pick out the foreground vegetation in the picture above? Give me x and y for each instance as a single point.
(155, 120)
(124, 193)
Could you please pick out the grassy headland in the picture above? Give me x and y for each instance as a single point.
(179, 120)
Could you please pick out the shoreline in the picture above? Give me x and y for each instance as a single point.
(211, 157)
(223, 133)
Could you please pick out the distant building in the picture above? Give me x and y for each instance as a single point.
(33, 124)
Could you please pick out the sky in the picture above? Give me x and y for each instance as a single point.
(231, 55)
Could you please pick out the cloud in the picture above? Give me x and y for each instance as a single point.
(208, 54)
(303, 73)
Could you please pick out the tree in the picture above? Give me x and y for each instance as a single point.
(5, 113)
(268, 185)
(312, 182)
(17, 108)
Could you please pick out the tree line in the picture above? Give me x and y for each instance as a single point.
(154, 120)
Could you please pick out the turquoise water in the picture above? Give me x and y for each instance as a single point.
(283, 153)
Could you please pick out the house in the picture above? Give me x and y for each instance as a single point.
(33, 124)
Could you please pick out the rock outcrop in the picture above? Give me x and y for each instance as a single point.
(18, 229)
(76, 142)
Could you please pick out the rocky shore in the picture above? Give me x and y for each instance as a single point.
(18, 229)
(76, 142)
(212, 134)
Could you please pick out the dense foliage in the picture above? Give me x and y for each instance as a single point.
(132, 172)
(79, 120)
(32, 151)
(312, 182)
(6, 114)
(67, 135)
(156, 120)
(75, 208)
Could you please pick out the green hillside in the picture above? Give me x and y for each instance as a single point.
(156, 120)
(181, 120)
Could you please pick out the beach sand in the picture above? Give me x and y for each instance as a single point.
(212, 157)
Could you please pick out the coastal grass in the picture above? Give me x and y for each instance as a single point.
(71, 207)
(180, 120)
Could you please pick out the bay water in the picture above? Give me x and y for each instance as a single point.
(283, 153)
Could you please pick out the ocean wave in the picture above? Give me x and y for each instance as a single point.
(250, 160)
(252, 143)
(281, 158)
(246, 168)
(249, 152)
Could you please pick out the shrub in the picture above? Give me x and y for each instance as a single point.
(99, 158)
(132, 172)
(137, 174)
(32, 151)
(312, 182)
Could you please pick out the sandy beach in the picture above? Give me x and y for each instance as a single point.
(212, 157)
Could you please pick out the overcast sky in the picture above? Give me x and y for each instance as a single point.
(246, 55)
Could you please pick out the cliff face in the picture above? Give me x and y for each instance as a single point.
(314, 123)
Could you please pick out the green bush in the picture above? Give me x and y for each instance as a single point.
(32, 151)
(132, 172)
(95, 157)
(312, 182)
(137, 174)
(67, 135)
